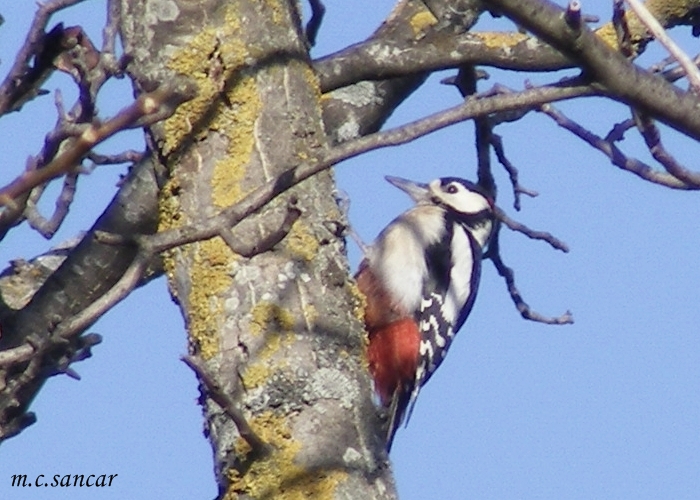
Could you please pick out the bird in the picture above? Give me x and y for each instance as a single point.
(420, 277)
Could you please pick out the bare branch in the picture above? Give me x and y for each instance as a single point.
(480, 105)
(121, 289)
(48, 227)
(531, 233)
(660, 34)
(267, 242)
(609, 68)
(617, 157)
(35, 349)
(378, 59)
(509, 277)
(652, 138)
(23, 83)
(147, 109)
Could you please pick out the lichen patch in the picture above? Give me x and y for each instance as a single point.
(278, 475)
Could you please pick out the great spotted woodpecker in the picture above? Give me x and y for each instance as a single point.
(420, 278)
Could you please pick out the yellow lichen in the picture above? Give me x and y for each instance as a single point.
(210, 280)
(227, 101)
(421, 21)
(266, 315)
(169, 210)
(636, 30)
(301, 242)
(310, 313)
(608, 35)
(498, 39)
(311, 78)
(665, 10)
(169, 216)
(258, 372)
(278, 476)
(277, 324)
(359, 301)
(278, 11)
(193, 61)
(216, 59)
(240, 117)
(667, 13)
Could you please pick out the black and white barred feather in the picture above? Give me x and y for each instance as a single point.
(428, 262)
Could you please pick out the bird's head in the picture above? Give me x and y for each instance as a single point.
(458, 196)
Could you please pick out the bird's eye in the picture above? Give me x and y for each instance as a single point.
(451, 189)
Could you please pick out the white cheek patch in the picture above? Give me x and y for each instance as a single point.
(467, 202)
(463, 200)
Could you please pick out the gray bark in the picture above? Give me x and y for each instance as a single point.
(279, 331)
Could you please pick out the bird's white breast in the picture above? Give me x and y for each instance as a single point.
(398, 255)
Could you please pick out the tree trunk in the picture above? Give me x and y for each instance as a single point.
(280, 331)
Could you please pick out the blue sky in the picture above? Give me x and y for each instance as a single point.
(605, 408)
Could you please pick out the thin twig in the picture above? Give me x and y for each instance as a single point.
(466, 82)
(678, 72)
(318, 10)
(109, 33)
(652, 138)
(228, 405)
(622, 31)
(531, 233)
(509, 276)
(664, 63)
(129, 156)
(18, 354)
(617, 133)
(48, 227)
(572, 14)
(518, 189)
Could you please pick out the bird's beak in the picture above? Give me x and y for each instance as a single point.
(418, 191)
